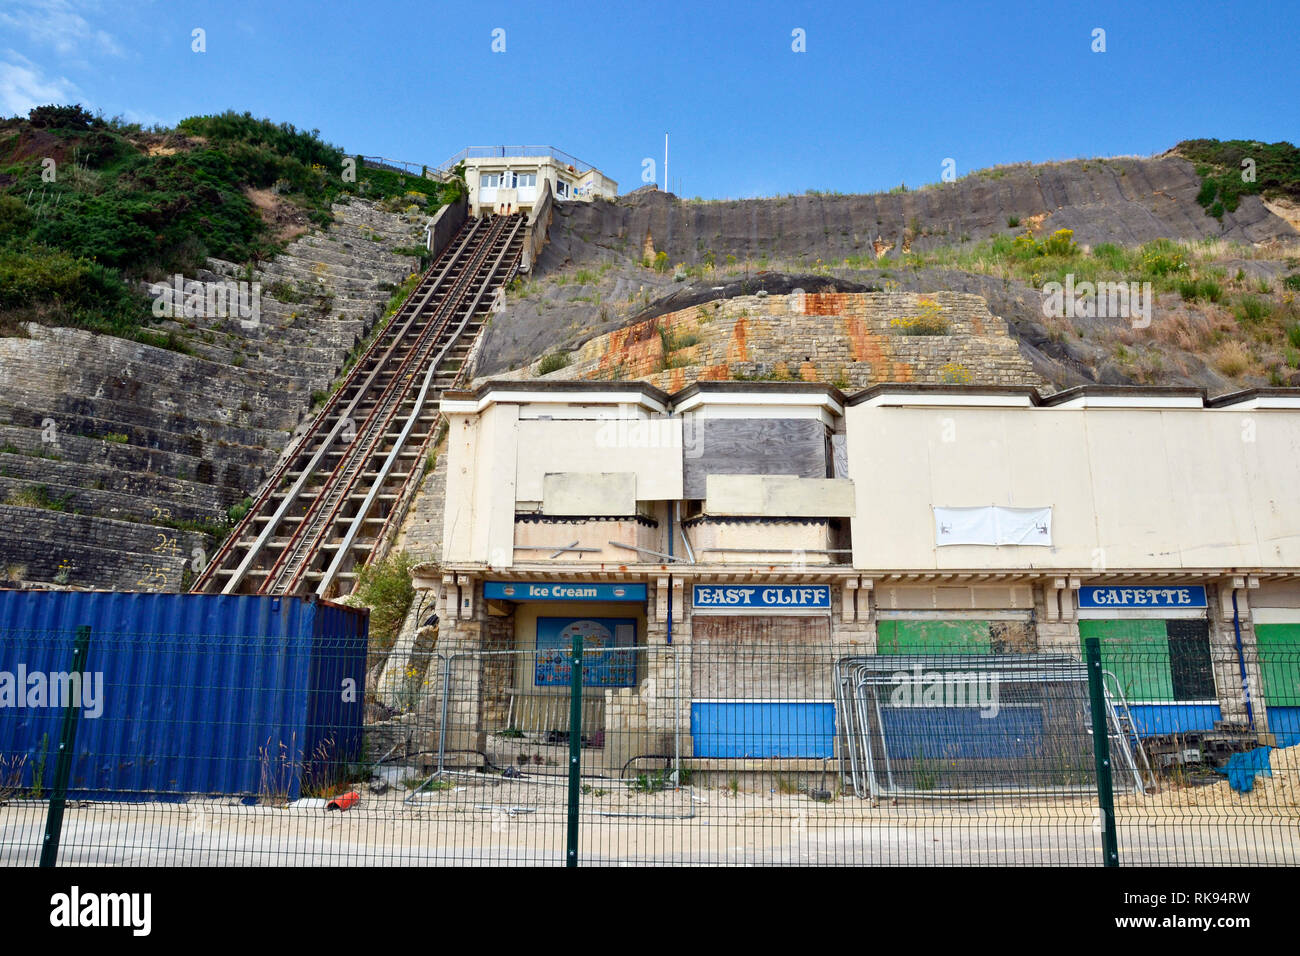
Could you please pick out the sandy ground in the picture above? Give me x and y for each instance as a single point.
(487, 820)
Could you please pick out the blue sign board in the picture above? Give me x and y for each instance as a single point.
(777, 597)
(1164, 596)
(608, 659)
(566, 591)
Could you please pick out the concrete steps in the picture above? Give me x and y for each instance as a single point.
(94, 552)
(203, 429)
(197, 497)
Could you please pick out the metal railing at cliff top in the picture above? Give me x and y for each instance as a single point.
(503, 152)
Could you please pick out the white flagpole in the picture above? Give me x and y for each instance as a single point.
(665, 162)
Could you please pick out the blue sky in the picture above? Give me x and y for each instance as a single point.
(883, 94)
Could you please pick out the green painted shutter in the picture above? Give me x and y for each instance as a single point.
(1279, 663)
(1137, 652)
(933, 637)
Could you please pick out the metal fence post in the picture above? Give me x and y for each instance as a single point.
(575, 749)
(442, 719)
(63, 764)
(1101, 751)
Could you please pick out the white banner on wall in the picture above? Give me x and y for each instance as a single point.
(993, 524)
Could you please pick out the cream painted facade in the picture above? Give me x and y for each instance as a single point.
(1153, 481)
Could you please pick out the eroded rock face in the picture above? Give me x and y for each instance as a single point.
(114, 453)
(852, 339)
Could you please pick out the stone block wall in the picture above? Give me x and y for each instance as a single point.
(626, 727)
(1227, 664)
(666, 689)
(853, 339)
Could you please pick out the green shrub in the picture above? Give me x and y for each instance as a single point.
(1025, 246)
(1204, 290)
(38, 496)
(284, 292)
(1115, 258)
(235, 513)
(1292, 282)
(1060, 243)
(418, 252)
(552, 363)
(930, 321)
(1162, 258)
(15, 217)
(61, 117)
(1219, 164)
(1250, 309)
(386, 589)
(51, 285)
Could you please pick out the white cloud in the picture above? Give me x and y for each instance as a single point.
(57, 24)
(23, 85)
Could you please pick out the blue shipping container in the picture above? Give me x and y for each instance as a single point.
(202, 694)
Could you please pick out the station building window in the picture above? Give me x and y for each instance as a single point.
(1159, 653)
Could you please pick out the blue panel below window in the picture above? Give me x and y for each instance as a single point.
(1285, 723)
(1153, 719)
(763, 729)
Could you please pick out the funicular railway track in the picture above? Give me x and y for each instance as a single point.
(321, 514)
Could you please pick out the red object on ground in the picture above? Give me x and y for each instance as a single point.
(343, 801)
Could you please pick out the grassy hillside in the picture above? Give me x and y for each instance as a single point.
(90, 208)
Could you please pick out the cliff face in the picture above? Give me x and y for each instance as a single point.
(611, 265)
(1122, 201)
(119, 461)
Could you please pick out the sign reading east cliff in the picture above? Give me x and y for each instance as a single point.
(752, 596)
(1187, 596)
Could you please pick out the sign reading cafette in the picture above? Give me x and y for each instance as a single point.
(1191, 596)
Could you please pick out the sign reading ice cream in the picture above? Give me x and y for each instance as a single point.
(562, 591)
